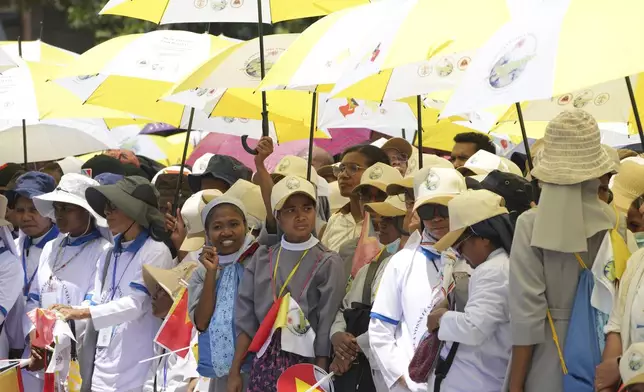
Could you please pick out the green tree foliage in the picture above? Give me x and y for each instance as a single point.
(83, 14)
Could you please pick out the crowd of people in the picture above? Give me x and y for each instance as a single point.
(470, 273)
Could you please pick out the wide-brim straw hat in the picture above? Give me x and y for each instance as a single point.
(170, 280)
(572, 151)
(70, 190)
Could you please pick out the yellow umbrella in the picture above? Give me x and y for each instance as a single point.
(38, 51)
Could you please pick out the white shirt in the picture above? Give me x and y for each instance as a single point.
(483, 330)
(10, 292)
(399, 313)
(65, 276)
(124, 309)
(173, 372)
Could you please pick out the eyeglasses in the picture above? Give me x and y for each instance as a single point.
(457, 247)
(432, 211)
(350, 168)
(407, 198)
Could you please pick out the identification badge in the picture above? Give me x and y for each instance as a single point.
(48, 299)
(104, 337)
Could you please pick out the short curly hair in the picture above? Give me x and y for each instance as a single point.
(480, 140)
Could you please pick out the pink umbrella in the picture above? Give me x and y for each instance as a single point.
(216, 143)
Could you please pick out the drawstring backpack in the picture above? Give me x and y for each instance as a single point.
(581, 353)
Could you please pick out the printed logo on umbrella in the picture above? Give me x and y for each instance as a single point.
(252, 67)
(513, 61)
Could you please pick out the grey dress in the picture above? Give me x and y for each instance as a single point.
(540, 280)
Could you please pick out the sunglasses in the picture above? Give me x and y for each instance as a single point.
(370, 195)
(349, 168)
(432, 211)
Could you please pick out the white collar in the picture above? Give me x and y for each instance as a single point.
(231, 258)
(308, 244)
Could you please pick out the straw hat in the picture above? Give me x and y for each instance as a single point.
(399, 144)
(391, 207)
(613, 155)
(3, 212)
(572, 151)
(70, 190)
(293, 165)
(251, 196)
(191, 214)
(628, 185)
(171, 280)
(439, 186)
(378, 175)
(289, 186)
(631, 366)
(467, 209)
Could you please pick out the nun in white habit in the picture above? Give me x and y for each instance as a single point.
(67, 265)
(10, 275)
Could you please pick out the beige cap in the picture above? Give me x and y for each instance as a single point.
(398, 143)
(3, 212)
(628, 185)
(631, 366)
(429, 161)
(171, 280)
(378, 175)
(511, 167)
(293, 165)
(438, 186)
(467, 209)
(251, 196)
(289, 186)
(191, 214)
(336, 200)
(391, 207)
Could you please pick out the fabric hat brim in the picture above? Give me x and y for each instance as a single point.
(45, 205)
(399, 144)
(639, 379)
(280, 204)
(168, 279)
(134, 208)
(621, 201)
(385, 209)
(401, 186)
(376, 184)
(477, 171)
(433, 199)
(193, 242)
(449, 239)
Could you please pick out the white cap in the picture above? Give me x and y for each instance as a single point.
(293, 165)
(289, 186)
(71, 190)
(170, 170)
(201, 163)
(439, 186)
(483, 162)
(378, 175)
(191, 214)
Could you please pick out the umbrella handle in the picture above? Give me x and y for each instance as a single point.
(244, 142)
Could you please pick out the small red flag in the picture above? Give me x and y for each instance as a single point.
(44, 321)
(176, 331)
(368, 246)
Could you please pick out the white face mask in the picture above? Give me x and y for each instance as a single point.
(639, 238)
(392, 247)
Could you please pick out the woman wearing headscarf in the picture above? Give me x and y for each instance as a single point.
(120, 308)
(213, 287)
(36, 231)
(405, 295)
(553, 246)
(300, 269)
(10, 276)
(478, 338)
(352, 319)
(67, 264)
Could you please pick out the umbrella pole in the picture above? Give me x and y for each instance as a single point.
(262, 66)
(312, 132)
(177, 192)
(636, 113)
(404, 136)
(419, 134)
(526, 145)
(24, 123)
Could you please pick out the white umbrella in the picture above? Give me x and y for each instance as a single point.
(53, 139)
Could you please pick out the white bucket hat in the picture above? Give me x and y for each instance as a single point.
(378, 175)
(438, 186)
(289, 186)
(572, 151)
(467, 209)
(191, 214)
(71, 190)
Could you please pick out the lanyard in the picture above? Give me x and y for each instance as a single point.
(289, 277)
(58, 254)
(116, 284)
(26, 283)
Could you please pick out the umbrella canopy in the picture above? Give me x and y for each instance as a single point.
(39, 52)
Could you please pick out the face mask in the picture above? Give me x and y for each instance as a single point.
(639, 238)
(393, 247)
